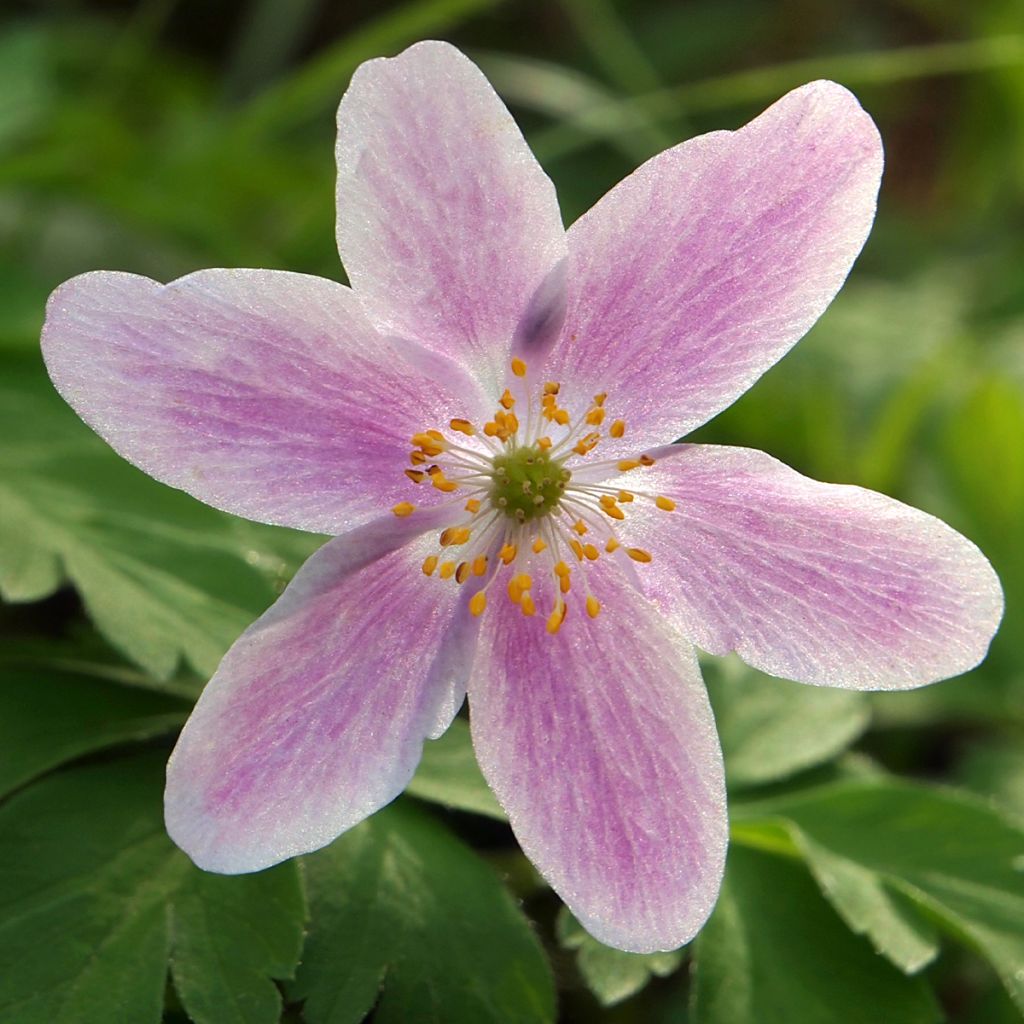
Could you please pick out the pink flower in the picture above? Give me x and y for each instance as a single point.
(540, 375)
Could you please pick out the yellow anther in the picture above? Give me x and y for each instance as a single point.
(593, 606)
(518, 367)
(544, 443)
(473, 505)
(429, 565)
(613, 512)
(564, 583)
(595, 417)
(665, 504)
(638, 554)
(454, 535)
(561, 569)
(618, 428)
(577, 548)
(462, 572)
(441, 482)
(417, 458)
(551, 387)
(627, 464)
(477, 603)
(507, 399)
(479, 565)
(561, 417)
(625, 496)
(586, 444)
(525, 581)
(403, 509)
(646, 460)
(526, 605)
(491, 428)
(538, 546)
(508, 553)
(430, 444)
(591, 552)
(580, 527)
(417, 476)
(447, 570)
(611, 545)
(599, 398)
(607, 501)
(557, 617)
(463, 427)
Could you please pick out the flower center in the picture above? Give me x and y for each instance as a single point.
(522, 514)
(527, 483)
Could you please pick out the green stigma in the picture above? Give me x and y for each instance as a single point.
(527, 483)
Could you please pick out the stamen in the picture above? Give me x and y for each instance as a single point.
(557, 617)
(665, 504)
(477, 603)
(473, 505)
(593, 606)
(638, 554)
(463, 427)
(447, 570)
(462, 572)
(518, 367)
(617, 429)
(429, 565)
(538, 546)
(479, 565)
(526, 605)
(403, 509)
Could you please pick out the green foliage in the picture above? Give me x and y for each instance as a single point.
(879, 846)
(398, 904)
(774, 952)
(771, 728)
(610, 974)
(162, 576)
(95, 901)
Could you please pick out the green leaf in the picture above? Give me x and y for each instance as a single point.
(771, 728)
(162, 576)
(996, 772)
(448, 774)
(610, 974)
(47, 718)
(95, 900)
(407, 919)
(773, 952)
(953, 856)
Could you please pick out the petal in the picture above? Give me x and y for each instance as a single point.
(600, 744)
(824, 583)
(700, 270)
(263, 393)
(447, 225)
(318, 713)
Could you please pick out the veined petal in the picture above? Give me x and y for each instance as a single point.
(824, 583)
(600, 744)
(447, 225)
(700, 270)
(318, 713)
(264, 393)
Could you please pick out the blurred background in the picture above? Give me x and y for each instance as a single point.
(168, 135)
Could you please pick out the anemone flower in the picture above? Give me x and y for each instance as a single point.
(483, 422)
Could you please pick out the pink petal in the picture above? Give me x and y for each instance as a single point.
(701, 269)
(824, 583)
(318, 713)
(447, 225)
(264, 393)
(600, 744)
